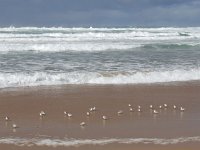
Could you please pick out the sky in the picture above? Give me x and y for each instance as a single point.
(100, 13)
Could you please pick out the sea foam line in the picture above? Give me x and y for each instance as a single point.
(67, 142)
(44, 78)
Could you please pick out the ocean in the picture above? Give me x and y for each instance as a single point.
(31, 56)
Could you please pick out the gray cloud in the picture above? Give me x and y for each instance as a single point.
(99, 12)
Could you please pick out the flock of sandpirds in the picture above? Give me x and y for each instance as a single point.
(120, 112)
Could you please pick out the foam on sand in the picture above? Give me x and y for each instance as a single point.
(67, 142)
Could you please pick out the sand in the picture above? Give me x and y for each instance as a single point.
(23, 105)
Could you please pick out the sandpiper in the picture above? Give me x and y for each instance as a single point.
(88, 113)
(69, 115)
(7, 118)
(42, 113)
(174, 106)
(14, 126)
(82, 124)
(151, 106)
(131, 109)
(92, 109)
(155, 111)
(120, 112)
(105, 118)
(182, 109)
(165, 105)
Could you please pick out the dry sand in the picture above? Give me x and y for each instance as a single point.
(23, 105)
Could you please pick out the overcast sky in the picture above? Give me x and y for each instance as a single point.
(99, 13)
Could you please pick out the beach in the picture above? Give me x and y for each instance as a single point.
(169, 129)
(99, 88)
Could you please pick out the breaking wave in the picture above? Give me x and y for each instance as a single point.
(93, 39)
(67, 142)
(42, 78)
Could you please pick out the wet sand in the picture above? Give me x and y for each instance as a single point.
(23, 105)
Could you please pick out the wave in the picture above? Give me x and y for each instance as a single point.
(92, 47)
(67, 142)
(65, 47)
(94, 39)
(43, 78)
(99, 34)
(179, 46)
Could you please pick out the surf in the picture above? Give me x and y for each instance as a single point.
(68, 142)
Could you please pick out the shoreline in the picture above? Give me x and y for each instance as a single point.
(23, 105)
(171, 83)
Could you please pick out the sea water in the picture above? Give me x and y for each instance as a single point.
(31, 56)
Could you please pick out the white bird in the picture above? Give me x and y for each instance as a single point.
(120, 112)
(131, 109)
(151, 106)
(182, 109)
(42, 113)
(155, 111)
(14, 126)
(160, 106)
(65, 112)
(88, 113)
(105, 118)
(165, 105)
(139, 110)
(7, 118)
(129, 105)
(174, 106)
(82, 124)
(92, 109)
(139, 107)
(69, 115)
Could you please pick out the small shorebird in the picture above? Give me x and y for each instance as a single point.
(139, 107)
(160, 106)
(88, 114)
(82, 124)
(69, 115)
(92, 109)
(151, 106)
(174, 106)
(182, 109)
(139, 110)
(7, 118)
(129, 105)
(14, 126)
(131, 109)
(165, 105)
(104, 117)
(120, 112)
(42, 113)
(155, 111)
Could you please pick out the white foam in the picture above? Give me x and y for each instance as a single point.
(54, 47)
(43, 78)
(92, 39)
(67, 142)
